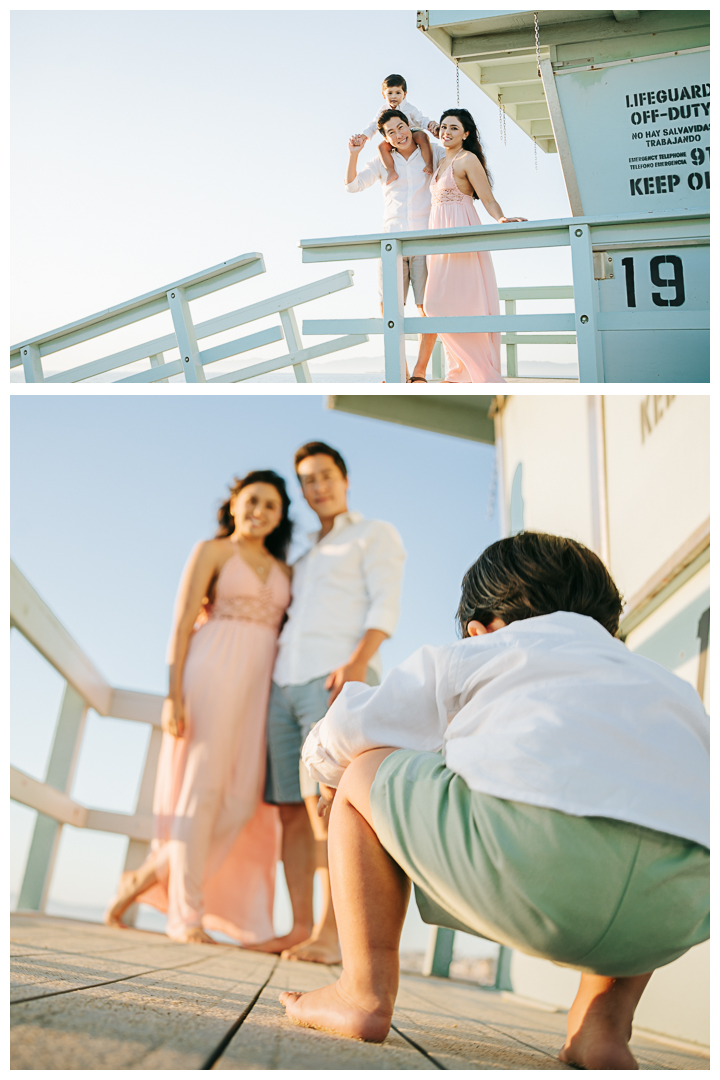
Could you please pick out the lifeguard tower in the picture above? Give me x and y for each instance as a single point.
(624, 98)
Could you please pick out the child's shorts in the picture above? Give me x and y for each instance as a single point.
(591, 893)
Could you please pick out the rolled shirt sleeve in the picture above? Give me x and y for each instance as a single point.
(382, 564)
(366, 177)
(408, 710)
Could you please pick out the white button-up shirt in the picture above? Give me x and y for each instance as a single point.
(551, 711)
(407, 199)
(415, 118)
(347, 583)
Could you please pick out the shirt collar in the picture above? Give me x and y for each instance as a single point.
(349, 517)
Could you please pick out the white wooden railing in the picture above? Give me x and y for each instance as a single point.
(593, 241)
(85, 688)
(186, 335)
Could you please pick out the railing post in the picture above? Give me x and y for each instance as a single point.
(438, 360)
(157, 360)
(511, 350)
(32, 364)
(186, 337)
(438, 955)
(61, 770)
(502, 970)
(589, 344)
(291, 331)
(137, 850)
(393, 310)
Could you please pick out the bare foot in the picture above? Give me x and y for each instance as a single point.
(391, 176)
(428, 169)
(132, 883)
(195, 935)
(599, 1043)
(278, 945)
(334, 1009)
(318, 949)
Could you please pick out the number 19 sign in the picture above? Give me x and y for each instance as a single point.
(639, 135)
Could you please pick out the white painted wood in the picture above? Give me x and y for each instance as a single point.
(510, 347)
(60, 774)
(36, 622)
(186, 337)
(589, 343)
(294, 343)
(40, 796)
(158, 360)
(138, 850)
(141, 307)
(136, 705)
(310, 353)
(136, 826)
(32, 364)
(560, 135)
(537, 292)
(391, 254)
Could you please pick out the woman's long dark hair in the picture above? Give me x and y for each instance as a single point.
(471, 142)
(278, 541)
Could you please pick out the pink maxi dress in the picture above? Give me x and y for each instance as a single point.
(462, 284)
(217, 843)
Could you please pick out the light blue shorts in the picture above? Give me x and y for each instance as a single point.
(292, 712)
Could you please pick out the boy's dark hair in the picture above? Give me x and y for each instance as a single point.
(388, 115)
(312, 448)
(394, 80)
(534, 573)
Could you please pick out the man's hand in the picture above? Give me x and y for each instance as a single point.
(353, 671)
(327, 794)
(172, 718)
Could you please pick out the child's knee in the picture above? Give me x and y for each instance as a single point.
(358, 778)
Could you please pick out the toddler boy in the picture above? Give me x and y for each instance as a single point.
(394, 90)
(551, 793)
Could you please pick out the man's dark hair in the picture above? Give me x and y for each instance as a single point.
(534, 573)
(312, 448)
(394, 80)
(388, 115)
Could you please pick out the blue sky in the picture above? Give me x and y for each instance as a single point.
(149, 145)
(109, 494)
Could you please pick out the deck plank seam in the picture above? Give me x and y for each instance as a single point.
(416, 1046)
(491, 1028)
(108, 982)
(232, 1032)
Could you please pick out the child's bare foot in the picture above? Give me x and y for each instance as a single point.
(334, 1009)
(195, 935)
(392, 175)
(598, 1045)
(318, 948)
(428, 169)
(278, 945)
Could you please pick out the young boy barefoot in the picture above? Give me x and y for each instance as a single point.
(394, 90)
(551, 794)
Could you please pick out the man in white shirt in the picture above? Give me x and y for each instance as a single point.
(407, 200)
(551, 793)
(346, 602)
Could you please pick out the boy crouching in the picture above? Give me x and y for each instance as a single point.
(540, 784)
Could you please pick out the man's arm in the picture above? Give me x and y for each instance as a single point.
(355, 670)
(409, 709)
(355, 181)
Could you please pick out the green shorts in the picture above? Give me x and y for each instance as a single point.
(591, 893)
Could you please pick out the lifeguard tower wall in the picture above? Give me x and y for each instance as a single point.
(624, 98)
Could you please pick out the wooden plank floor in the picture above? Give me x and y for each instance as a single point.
(88, 997)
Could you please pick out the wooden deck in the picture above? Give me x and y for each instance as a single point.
(87, 997)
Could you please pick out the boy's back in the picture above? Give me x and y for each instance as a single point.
(552, 711)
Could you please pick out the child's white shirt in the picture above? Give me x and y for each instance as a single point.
(551, 711)
(416, 118)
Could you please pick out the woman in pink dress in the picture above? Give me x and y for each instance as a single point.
(212, 864)
(463, 283)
